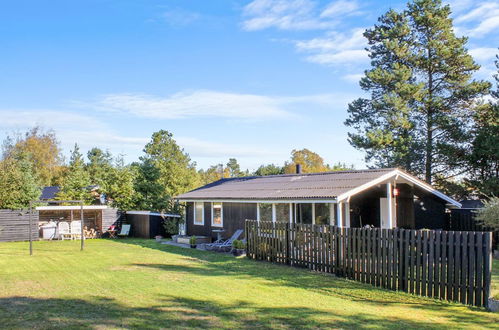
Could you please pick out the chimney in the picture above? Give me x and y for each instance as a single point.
(298, 168)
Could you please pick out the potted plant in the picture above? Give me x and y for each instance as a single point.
(238, 248)
(192, 242)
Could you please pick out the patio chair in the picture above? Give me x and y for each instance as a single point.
(125, 230)
(63, 230)
(226, 244)
(76, 229)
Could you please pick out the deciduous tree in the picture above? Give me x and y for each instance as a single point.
(42, 149)
(18, 182)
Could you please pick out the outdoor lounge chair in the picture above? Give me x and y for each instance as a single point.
(225, 245)
(76, 229)
(63, 230)
(125, 230)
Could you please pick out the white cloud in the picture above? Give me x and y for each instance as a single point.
(479, 19)
(204, 104)
(483, 53)
(294, 14)
(342, 57)
(354, 77)
(340, 8)
(335, 48)
(88, 132)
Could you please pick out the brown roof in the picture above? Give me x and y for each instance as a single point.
(325, 185)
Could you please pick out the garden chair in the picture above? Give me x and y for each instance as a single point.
(125, 231)
(75, 229)
(63, 230)
(225, 245)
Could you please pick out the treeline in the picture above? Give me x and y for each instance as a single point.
(33, 160)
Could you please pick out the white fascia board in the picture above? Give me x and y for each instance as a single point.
(70, 207)
(367, 185)
(276, 201)
(398, 173)
(429, 188)
(153, 213)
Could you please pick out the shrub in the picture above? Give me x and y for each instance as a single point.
(238, 244)
(192, 240)
(489, 214)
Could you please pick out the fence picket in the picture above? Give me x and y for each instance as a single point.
(448, 265)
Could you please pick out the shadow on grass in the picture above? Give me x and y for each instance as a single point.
(174, 312)
(216, 264)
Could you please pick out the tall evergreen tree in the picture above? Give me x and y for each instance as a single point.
(483, 178)
(422, 95)
(99, 165)
(75, 183)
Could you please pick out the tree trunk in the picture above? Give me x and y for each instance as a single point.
(429, 123)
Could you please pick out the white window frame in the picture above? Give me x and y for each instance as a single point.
(194, 213)
(221, 214)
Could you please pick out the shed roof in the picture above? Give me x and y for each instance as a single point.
(49, 192)
(305, 186)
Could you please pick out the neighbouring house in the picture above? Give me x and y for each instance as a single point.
(386, 198)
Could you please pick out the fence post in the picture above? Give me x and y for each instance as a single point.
(487, 268)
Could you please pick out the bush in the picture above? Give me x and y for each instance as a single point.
(238, 244)
(489, 214)
(192, 240)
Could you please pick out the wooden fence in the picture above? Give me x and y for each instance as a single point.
(14, 225)
(454, 266)
(464, 220)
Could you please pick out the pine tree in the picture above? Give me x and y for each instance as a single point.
(422, 95)
(483, 161)
(77, 181)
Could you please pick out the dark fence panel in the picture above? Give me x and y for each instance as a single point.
(14, 225)
(448, 265)
(464, 220)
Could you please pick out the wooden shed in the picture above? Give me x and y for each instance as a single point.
(146, 224)
(98, 217)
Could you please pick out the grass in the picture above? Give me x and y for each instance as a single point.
(141, 284)
(494, 292)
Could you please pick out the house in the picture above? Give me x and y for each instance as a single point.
(386, 198)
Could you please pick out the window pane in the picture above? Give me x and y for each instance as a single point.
(322, 213)
(199, 208)
(217, 214)
(265, 211)
(305, 213)
(282, 212)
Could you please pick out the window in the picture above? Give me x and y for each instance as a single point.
(304, 213)
(322, 213)
(199, 213)
(282, 212)
(265, 211)
(217, 215)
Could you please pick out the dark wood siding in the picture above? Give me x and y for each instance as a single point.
(200, 230)
(429, 211)
(234, 216)
(14, 225)
(405, 207)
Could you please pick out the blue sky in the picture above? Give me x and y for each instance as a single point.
(245, 79)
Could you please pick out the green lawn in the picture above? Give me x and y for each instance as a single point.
(142, 284)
